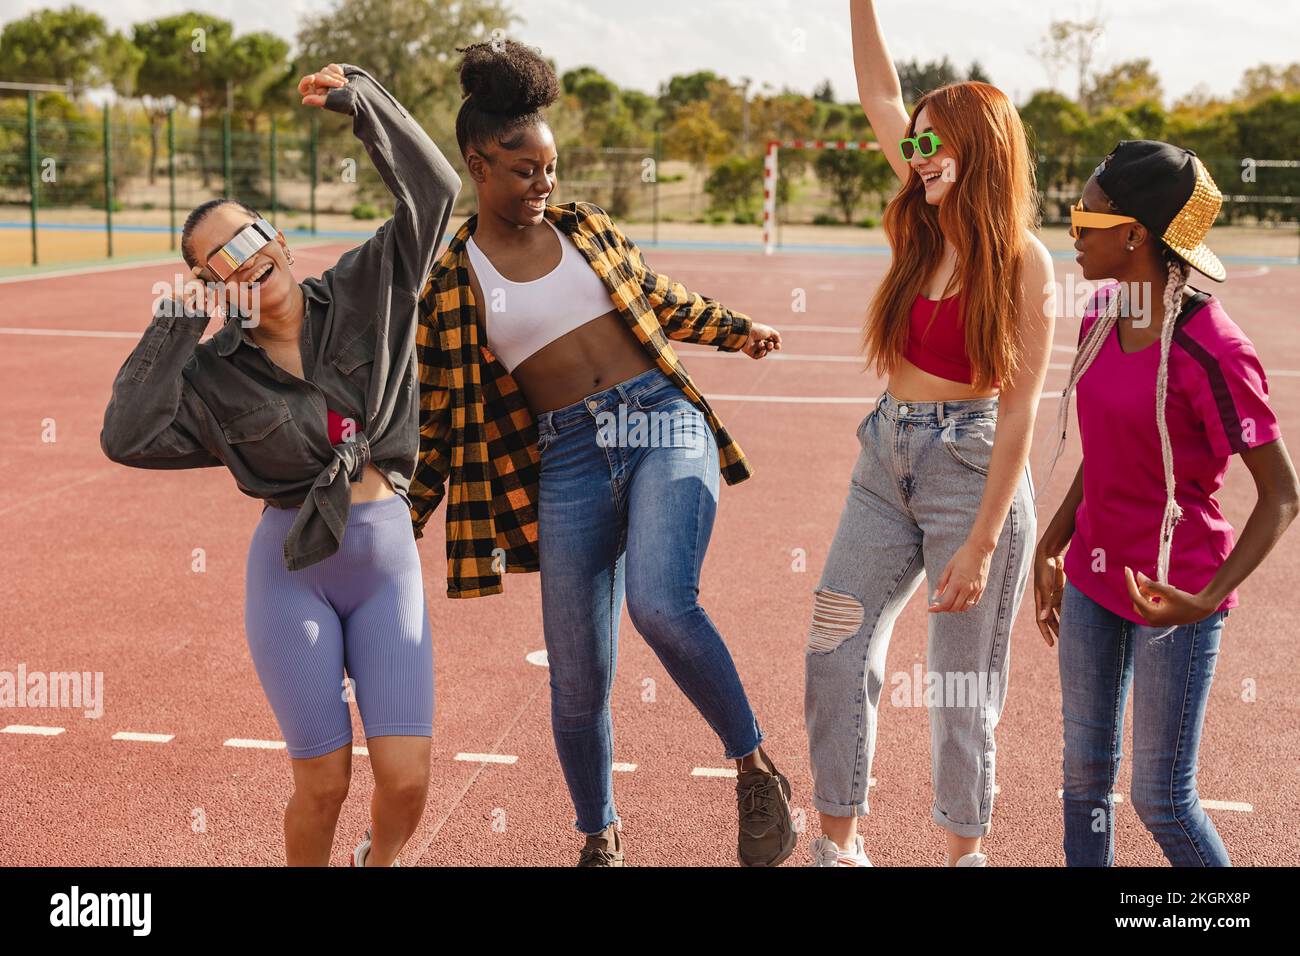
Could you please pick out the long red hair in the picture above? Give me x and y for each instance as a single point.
(984, 214)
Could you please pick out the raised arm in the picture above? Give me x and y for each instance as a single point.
(879, 91)
(154, 419)
(424, 185)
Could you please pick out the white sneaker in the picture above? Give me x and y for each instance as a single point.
(826, 852)
(363, 850)
(974, 859)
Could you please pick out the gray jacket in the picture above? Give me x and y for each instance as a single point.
(180, 404)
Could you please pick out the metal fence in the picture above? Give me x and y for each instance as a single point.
(140, 173)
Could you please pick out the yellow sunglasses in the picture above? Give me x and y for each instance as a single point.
(1081, 218)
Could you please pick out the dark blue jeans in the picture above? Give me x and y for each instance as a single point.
(1170, 670)
(628, 492)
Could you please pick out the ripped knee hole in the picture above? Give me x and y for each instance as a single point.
(836, 617)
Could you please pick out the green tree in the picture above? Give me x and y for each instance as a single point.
(1267, 129)
(686, 88)
(917, 78)
(694, 135)
(733, 184)
(410, 45)
(1123, 86)
(1055, 124)
(71, 45)
(850, 175)
(1259, 82)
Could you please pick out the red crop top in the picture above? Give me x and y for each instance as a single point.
(939, 347)
(336, 425)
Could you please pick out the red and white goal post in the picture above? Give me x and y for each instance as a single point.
(774, 146)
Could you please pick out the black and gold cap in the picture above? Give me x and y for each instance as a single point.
(1168, 190)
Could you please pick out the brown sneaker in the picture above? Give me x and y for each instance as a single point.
(603, 849)
(766, 834)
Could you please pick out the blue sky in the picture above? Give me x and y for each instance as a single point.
(798, 43)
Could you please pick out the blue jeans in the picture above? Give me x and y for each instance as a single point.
(627, 496)
(913, 496)
(1170, 670)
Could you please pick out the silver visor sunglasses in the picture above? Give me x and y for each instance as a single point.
(223, 263)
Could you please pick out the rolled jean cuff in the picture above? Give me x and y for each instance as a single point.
(740, 753)
(961, 829)
(616, 822)
(839, 809)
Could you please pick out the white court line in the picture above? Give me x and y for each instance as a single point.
(143, 738)
(624, 767)
(142, 263)
(29, 729)
(361, 751)
(1208, 804)
(488, 758)
(713, 772)
(692, 355)
(1227, 804)
(90, 270)
(256, 744)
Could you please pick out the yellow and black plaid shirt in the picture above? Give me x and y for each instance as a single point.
(476, 428)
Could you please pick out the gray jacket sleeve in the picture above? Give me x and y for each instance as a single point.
(154, 419)
(381, 279)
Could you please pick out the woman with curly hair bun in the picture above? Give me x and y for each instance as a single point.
(577, 445)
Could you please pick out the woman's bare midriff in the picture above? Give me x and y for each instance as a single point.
(593, 357)
(907, 383)
(373, 486)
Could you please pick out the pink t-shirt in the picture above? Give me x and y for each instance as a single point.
(1217, 406)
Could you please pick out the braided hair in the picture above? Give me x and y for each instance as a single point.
(1090, 347)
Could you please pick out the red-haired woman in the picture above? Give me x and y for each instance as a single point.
(962, 327)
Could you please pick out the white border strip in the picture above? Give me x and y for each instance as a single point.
(255, 744)
(29, 729)
(488, 758)
(144, 738)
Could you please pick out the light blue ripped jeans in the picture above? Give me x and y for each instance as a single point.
(913, 498)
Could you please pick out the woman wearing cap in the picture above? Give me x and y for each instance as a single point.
(545, 333)
(1169, 389)
(310, 402)
(962, 325)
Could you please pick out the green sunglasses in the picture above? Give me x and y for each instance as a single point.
(926, 144)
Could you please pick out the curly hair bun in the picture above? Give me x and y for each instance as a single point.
(507, 78)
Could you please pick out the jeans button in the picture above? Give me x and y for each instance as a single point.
(592, 405)
(902, 409)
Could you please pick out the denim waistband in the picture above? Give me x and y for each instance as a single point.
(624, 393)
(937, 413)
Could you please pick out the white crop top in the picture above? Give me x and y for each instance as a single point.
(523, 317)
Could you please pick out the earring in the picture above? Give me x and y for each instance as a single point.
(1130, 249)
(289, 256)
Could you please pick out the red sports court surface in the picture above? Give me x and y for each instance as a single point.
(98, 577)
